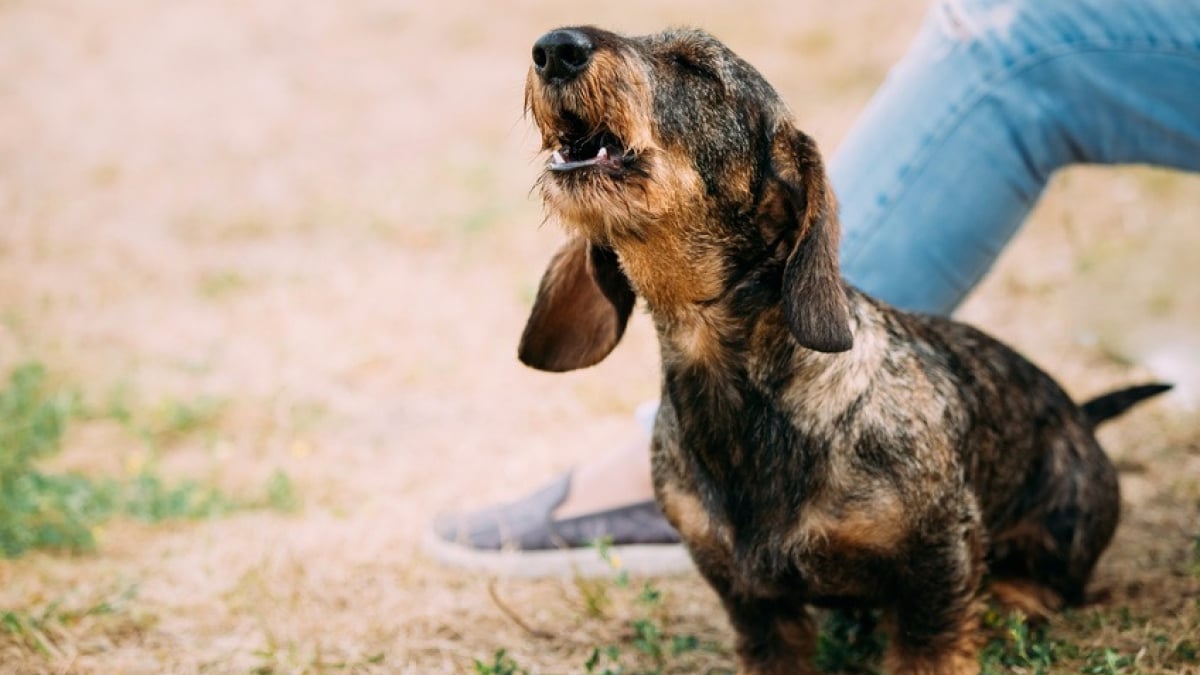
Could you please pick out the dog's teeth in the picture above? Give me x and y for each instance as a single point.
(602, 153)
(557, 158)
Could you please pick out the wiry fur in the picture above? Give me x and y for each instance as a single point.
(813, 446)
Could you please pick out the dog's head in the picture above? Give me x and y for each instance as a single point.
(678, 170)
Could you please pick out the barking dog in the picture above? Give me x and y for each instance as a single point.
(813, 446)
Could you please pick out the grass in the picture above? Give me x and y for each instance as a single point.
(500, 664)
(221, 284)
(41, 509)
(653, 636)
(64, 511)
(41, 630)
(291, 658)
(649, 643)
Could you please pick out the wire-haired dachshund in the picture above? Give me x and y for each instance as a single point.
(814, 446)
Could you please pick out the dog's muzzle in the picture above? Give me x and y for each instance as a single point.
(560, 59)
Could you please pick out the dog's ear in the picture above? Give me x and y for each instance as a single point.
(582, 306)
(814, 298)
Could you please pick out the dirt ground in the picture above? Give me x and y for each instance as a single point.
(320, 214)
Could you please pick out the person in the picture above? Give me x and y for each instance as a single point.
(935, 177)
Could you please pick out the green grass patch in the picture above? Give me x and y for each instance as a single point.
(60, 511)
(39, 510)
(160, 423)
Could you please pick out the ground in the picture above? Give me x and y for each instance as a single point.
(313, 220)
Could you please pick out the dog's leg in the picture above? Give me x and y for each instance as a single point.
(775, 637)
(934, 628)
(1044, 561)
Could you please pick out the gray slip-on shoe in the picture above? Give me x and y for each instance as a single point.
(523, 539)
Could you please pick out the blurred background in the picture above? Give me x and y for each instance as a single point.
(263, 267)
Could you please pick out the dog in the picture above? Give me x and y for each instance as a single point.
(814, 446)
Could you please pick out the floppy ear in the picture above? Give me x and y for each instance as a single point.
(814, 298)
(582, 306)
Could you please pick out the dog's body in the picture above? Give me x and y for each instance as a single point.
(813, 446)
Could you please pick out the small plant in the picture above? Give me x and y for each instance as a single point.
(281, 494)
(648, 636)
(1018, 646)
(168, 420)
(501, 664)
(849, 643)
(150, 499)
(42, 630)
(595, 663)
(1106, 662)
(1187, 651)
(1196, 556)
(594, 591)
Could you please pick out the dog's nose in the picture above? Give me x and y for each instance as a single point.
(560, 55)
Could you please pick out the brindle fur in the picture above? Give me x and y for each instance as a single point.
(814, 446)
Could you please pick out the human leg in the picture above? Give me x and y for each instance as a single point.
(992, 98)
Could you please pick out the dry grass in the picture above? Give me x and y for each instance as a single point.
(318, 214)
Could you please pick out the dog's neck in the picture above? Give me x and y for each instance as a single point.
(738, 382)
(672, 273)
(682, 274)
(743, 337)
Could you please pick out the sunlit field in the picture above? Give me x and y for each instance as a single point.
(263, 268)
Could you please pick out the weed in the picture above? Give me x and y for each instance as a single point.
(604, 549)
(849, 643)
(294, 658)
(501, 664)
(172, 419)
(594, 591)
(649, 638)
(281, 494)
(611, 653)
(1196, 556)
(42, 630)
(1187, 651)
(1016, 645)
(1106, 662)
(149, 499)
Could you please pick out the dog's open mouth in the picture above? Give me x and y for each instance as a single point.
(585, 148)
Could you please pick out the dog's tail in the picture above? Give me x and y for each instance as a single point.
(1114, 403)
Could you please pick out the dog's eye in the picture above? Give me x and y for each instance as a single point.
(693, 67)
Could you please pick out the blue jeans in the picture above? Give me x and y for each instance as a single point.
(991, 99)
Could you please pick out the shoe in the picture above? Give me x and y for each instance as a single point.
(523, 539)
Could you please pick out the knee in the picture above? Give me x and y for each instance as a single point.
(997, 37)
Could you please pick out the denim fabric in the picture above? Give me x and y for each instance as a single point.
(993, 97)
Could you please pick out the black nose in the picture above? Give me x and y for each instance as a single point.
(560, 55)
